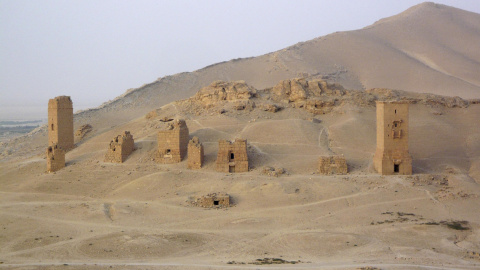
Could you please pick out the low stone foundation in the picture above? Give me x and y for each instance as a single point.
(332, 165)
(212, 200)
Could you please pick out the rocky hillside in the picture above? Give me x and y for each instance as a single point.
(429, 48)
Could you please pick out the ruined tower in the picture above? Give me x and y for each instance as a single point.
(332, 165)
(392, 156)
(232, 157)
(55, 158)
(173, 142)
(120, 148)
(60, 122)
(195, 154)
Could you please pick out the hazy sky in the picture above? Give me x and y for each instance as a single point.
(95, 50)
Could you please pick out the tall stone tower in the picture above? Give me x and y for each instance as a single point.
(60, 122)
(392, 156)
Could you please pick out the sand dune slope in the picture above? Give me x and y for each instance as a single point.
(429, 48)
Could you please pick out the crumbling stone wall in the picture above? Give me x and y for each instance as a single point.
(120, 148)
(212, 200)
(55, 158)
(332, 165)
(83, 131)
(173, 142)
(392, 155)
(219, 91)
(232, 157)
(195, 154)
(60, 122)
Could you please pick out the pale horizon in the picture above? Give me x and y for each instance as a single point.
(95, 51)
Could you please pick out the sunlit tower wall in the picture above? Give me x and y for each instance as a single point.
(60, 122)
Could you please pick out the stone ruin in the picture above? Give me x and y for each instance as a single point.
(271, 171)
(212, 200)
(60, 122)
(232, 157)
(315, 96)
(392, 155)
(219, 91)
(332, 165)
(120, 148)
(195, 154)
(83, 131)
(173, 142)
(55, 158)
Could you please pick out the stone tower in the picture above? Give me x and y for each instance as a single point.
(195, 154)
(120, 148)
(55, 158)
(173, 142)
(232, 157)
(60, 122)
(392, 156)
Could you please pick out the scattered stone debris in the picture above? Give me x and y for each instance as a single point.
(368, 268)
(265, 261)
(473, 255)
(234, 262)
(270, 108)
(430, 179)
(83, 131)
(273, 261)
(212, 200)
(271, 171)
(446, 193)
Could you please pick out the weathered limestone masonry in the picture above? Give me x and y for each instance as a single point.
(60, 122)
(212, 200)
(120, 148)
(232, 157)
(195, 154)
(173, 142)
(392, 156)
(332, 165)
(55, 158)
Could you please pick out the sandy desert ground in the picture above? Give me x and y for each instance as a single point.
(136, 215)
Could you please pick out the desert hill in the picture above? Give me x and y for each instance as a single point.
(137, 215)
(429, 48)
